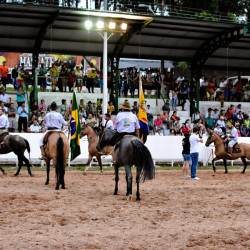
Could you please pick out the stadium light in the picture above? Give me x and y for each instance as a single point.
(112, 25)
(124, 26)
(88, 24)
(100, 25)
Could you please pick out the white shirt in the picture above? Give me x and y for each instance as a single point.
(215, 115)
(82, 120)
(35, 128)
(221, 123)
(223, 84)
(238, 110)
(148, 111)
(218, 131)
(194, 144)
(234, 133)
(4, 98)
(180, 79)
(110, 124)
(4, 123)
(126, 122)
(54, 119)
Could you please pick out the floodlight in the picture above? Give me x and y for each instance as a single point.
(124, 26)
(112, 25)
(88, 24)
(100, 25)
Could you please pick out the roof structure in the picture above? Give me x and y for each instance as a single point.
(61, 30)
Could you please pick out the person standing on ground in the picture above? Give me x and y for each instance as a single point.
(194, 152)
(23, 117)
(186, 155)
(3, 73)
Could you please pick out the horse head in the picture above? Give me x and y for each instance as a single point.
(210, 139)
(84, 130)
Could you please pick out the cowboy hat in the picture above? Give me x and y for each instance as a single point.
(222, 118)
(125, 105)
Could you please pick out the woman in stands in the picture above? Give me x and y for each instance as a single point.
(54, 76)
(184, 129)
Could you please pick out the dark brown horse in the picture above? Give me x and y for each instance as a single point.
(93, 140)
(57, 149)
(221, 153)
(18, 145)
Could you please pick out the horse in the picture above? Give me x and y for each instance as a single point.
(93, 140)
(18, 145)
(130, 151)
(57, 149)
(221, 153)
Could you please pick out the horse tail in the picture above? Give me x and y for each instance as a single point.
(27, 147)
(143, 160)
(60, 160)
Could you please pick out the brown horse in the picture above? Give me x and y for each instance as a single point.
(57, 149)
(221, 153)
(93, 140)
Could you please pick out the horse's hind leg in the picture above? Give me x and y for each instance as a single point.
(48, 170)
(98, 157)
(225, 165)
(116, 178)
(138, 174)
(27, 164)
(129, 181)
(2, 170)
(20, 164)
(243, 158)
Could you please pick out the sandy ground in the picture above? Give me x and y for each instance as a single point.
(174, 213)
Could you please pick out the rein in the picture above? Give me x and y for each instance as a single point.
(5, 138)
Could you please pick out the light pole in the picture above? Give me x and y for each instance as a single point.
(105, 75)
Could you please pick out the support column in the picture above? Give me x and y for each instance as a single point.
(35, 57)
(116, 84)
(105, 75)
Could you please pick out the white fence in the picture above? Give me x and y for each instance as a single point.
(164, 149)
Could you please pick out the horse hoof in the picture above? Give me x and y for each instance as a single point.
(115, 193)
(129, 198)
(101, 171)
(57, 188)
(63, 187)
(32, 175)
(226, 173)
(243, 172)
(16, 174)
(4, 173)
(84, 173)
(138, 198)
(46, 183)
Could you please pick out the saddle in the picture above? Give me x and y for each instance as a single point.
(46, 137)
(236, 147)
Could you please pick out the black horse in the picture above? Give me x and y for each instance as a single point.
(18, 145)
(130, 151)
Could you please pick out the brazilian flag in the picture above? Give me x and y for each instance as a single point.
(75, 127)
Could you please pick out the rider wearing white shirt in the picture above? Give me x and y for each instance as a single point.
(109, 123)
(232, 138)
(53, 122)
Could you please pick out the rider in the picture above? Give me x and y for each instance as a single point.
(108, 123)
(232, 138)
(53, 121)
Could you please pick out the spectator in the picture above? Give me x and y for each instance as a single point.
(216, 115)
(23, 115)
(111, 108)
(64, 77)
(20, 78)
(149, 84)
(166, 106)
(165, 119)
(34, 108)
(79, 78)
(174, 100)
(239, 91)
(82, 120)
(184, 129)
(42, 106)
(12, 117)
(151, 123)
(133, 82)
(94, 109)
(209, 122)
(83, 113)
(54, 76)
(82, 104)
(177, 128)
(222, 124)
(210, 88)
(158, 81)
(171, 132)
(108, 123)
(239, 108)
(158, 132)
(148, 110)
(247, 121)
(101, 81)
(174, 117)
(135, 107)
(197, 116)
(31, 119)
(4, 123)
(232, 111)
(168, 82)
(42, 125)
(64, 109)
(218, 130)
(209, 112)
(3, 73)
(184, 91)
(186, 155)
(89, 108)
(14, 75)
(35, 128)
(19, 96)
(91, 76)
(229, 93)
(71, 78)
(5, 98)
(159, 124)
(41, 117)
(203, 88)
(91, 120)
(240, 116)
(3, 107)
(194, 151)
(244, 131)
(42, 77)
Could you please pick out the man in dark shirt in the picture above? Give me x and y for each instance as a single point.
(12, 117)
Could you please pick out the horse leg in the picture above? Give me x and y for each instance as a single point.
(2, 170)
(129, 181)
(116, 178)
(27, 164)
(48, 170)
(126, 177)
(63, 184)
(225, 165)
(138, 174)
(215, 159)
(243, 158)
(87, 165)
(20, 164)
(98, 157)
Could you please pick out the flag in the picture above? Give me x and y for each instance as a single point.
(142, 115)
(75, 128)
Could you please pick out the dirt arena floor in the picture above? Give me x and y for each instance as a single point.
(174, 213)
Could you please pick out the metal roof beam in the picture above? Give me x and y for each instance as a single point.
(172, 36)
(160, 47)
(231, 58)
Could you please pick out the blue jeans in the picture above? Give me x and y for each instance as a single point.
(163, 130)
(14, 81)
(194, 157)
(174, 105)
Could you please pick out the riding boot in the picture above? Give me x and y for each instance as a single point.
(230, 153)
(43, 156)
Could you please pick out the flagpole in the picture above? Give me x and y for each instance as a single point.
(74, 85)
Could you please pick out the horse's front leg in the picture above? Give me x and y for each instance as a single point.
(98, 157)
(243, 158)
(48, 170)
(2, 170)
(116, 178)
(215, 159)
(225, 165)
(87, 165)
(138, 174)
(129, 181)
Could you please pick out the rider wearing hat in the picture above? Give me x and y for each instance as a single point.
(53, 122)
